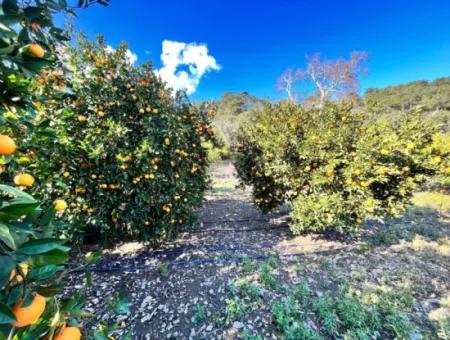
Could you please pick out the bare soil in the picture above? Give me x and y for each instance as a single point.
(179, 290)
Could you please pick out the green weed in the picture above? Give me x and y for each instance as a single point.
(235, 309)
(266, 276)
(200, 314)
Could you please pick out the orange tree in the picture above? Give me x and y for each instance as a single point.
(32, 258)
(441, 143)
(336, 167)
(128, 156)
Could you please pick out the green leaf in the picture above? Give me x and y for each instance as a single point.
(49, 291)
(41, 246)
(32, 12)
(43, 273)
(6, 314)
(23, 228)
(6, 265)
(18, 205)
(54, 257)
(15, 294)
(88, 278)
(10, 20)
(94, 257)
(35, 65)
(47, 217)
(6, 237)
(10, 6)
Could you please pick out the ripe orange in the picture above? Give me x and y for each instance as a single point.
(60, 205)
(7, 145)
(30, 314)
(68, 333)
(36, 51)
(35, 26)
(24, 180)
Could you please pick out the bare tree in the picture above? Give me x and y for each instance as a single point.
(334, 79)
(286, 81)
(330, 79)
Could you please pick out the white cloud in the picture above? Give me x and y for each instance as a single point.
(131, 57)
(192, 55)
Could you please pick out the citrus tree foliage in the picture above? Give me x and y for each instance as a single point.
(128, 156)
(441, 143)
(334, 168)
(32, 257)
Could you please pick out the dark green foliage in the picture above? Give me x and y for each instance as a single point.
(128, 158)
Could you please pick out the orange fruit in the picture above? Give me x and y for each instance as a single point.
(68, 333)
(7, 145)
(35, 50)
(24, 180)
(60, 205)
(437, 160)
(24, 267)
(35, 26)
(30, 314)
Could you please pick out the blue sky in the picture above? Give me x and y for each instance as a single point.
(253, 41)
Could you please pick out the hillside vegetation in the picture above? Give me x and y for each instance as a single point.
(433, 98)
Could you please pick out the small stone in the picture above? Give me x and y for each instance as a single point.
(238, 325)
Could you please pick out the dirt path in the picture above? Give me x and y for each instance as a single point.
(167, 286)
(180, 291)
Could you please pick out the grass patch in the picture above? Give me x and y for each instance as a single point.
(248, 265)
(379, 312)
(432, 200)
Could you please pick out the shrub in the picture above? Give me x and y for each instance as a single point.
(128, 156)
(334, 167)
